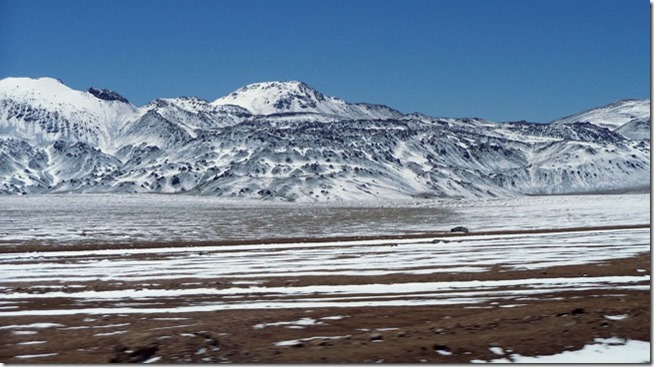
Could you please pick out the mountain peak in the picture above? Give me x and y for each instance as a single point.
(267, 98)
(280, 90)
(288, 84)
(23, 84)
(276, 87)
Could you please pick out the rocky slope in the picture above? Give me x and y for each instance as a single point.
(287, 141)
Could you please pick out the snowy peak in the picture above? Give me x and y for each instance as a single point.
(53, 94)
(43, 110)
(275, 97)
(613, 115)
(14, 83)
(40, 90)
(269, 98)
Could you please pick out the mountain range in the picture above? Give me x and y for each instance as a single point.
(287, 141)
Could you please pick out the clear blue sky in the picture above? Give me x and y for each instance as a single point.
(497, 59)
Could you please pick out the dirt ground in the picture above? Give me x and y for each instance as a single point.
(455, 333)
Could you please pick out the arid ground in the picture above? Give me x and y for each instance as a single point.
(410, 300)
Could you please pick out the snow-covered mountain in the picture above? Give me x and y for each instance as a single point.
(44, 110)
(287, 141)
(296, 97)
(636, 129)
(612, 116)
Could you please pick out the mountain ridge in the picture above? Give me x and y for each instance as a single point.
(268, 98)
(612, 115)
(287, 141)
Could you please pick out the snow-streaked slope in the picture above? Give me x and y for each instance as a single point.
(613, 115)
(581, 167)
(44, 110)
(194, 113)
(286, 141)
(285, 97)
(636, 129)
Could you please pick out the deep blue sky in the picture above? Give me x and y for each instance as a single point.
(497, 59)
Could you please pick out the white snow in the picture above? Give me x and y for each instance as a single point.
(250, 267)
(514, 305)
(110, 325)
(98, 119)
(134, 149)
(337, 317)
(497, 350)
(24, 332)
(30, 356)
(33, 342)
(120, 218)
(111, 333)
(290, 343)
(369, 257)
(75, 328)
(36, 325)
(616, 317)
(613, 115)
(307, 321)
(152, 360)
(278, 97)
(612, 350)
(402, 294)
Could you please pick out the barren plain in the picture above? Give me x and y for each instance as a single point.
(538, 290)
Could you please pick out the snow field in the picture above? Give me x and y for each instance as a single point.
(111, 218)
(602, 351)
(261, 263)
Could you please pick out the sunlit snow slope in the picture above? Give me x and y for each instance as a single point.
(613, 116)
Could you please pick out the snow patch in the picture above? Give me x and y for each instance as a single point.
(306, 321)
(37, 325)
(612, 350)
(30, 356)
(290, 343)
(616, 317)
(32, 342)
